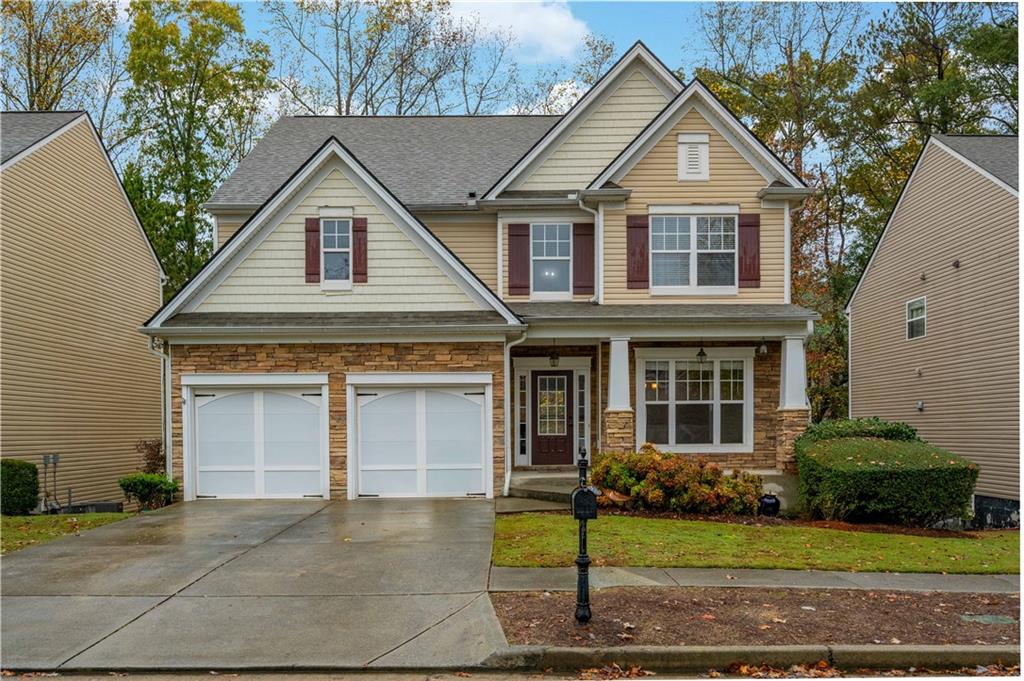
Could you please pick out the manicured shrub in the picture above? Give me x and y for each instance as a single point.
(152, 453)
(151, 490)
(872, 427)
(908, 482)
(19, 486)
(660, 481)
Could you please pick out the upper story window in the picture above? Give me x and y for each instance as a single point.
(917, 318)
(693, 157)
(336, 252)
(551, 260)
(693, 253)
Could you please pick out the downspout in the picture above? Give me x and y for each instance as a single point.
(508, 415)
(598, 247)
(165, 399)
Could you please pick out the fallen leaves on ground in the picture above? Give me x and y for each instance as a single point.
(614, 671)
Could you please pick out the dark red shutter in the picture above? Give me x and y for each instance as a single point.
(519, 260)
(359, 251)
(312, 250)
(582, 258)
(637, 251)
(749, 247)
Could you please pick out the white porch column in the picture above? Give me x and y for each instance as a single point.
(793, 377)
(618, 375)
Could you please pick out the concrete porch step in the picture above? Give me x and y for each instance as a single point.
(547, 486)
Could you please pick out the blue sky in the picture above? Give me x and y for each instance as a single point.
(549, 31)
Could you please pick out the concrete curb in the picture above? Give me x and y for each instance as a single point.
(703, 658)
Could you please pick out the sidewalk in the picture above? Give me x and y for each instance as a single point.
(564, 579)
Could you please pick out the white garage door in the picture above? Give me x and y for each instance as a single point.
(421, 442)
(253, 444)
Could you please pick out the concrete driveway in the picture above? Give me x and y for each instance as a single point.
(259, 584)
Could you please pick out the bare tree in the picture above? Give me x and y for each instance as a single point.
(554, 89)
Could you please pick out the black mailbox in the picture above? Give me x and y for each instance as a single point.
(584, 503)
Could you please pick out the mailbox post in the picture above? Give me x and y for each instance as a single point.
(584, 508)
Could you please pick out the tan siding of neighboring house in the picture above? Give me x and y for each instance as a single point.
(226, 228)
(654, 180)
(599, 139)
(400, 275)
(966, 369)
(475, 243)
(77, 281)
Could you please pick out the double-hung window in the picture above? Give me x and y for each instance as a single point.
(336, 253)
(693, 254)
(917, 318)
(691, 406)
(551, 261)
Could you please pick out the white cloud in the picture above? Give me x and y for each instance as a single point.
(545, 30)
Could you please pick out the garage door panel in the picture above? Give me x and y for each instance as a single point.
(227, 483)
(292, 483)
(291, 431)
(421, 441)
(227, 430)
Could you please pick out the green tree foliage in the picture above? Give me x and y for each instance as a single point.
(197, 87)
(46, 46)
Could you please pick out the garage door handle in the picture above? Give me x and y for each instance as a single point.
(366, 394)
(311, 394)
(205, 395)
(472, 393)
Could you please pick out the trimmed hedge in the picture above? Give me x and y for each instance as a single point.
(19, 486)
(151, 490)
(902, 481)
(871, 427)
(672, 482)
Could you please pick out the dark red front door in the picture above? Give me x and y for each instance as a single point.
(551, 395)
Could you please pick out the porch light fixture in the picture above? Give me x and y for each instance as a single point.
(763, 348)
(701, 355)
(553, 359)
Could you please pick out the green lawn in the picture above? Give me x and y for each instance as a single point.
(17, 532)
(538, 540)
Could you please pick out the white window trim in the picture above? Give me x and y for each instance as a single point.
(687, 354)
(693, 289)
(907, 319)
(335, 284)
(551, 295)
(703, 142)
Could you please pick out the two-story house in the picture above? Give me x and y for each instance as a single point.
(935, 318)
(413, 306)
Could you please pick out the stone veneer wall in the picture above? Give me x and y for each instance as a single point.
(337, 359)
(774, 429)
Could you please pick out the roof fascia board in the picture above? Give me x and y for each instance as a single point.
(569, 122)
(35, 146)
(974, 166)
(670, 330)
(225, 258)
(848, 308)
(720, 118)
(297, 337)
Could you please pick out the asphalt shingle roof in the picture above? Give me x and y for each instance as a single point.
(670, 312)
(424, 160)
(997, 154)
(19, 130)
(340, 320)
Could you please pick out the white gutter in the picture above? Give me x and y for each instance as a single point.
(165, 402)
(508, 416)
(598, 246)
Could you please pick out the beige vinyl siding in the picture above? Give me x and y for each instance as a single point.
(600, 138)
(654, 180)
(77, 281)
(400, 275)
(475, 243)
(966, 369)
(226, 227)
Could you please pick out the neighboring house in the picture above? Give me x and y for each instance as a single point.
(78, 272)
(413, 306)
(934, 336)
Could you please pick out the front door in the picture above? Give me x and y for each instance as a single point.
(552, 417)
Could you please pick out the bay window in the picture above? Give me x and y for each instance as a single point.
(686, 405)
(693, 254)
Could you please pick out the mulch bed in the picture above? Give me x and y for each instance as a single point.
(672, 616)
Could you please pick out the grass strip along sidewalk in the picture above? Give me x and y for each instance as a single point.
(19, 531)
(548, 540)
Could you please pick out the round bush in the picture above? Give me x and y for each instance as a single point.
(151, 490)
(19, 487)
